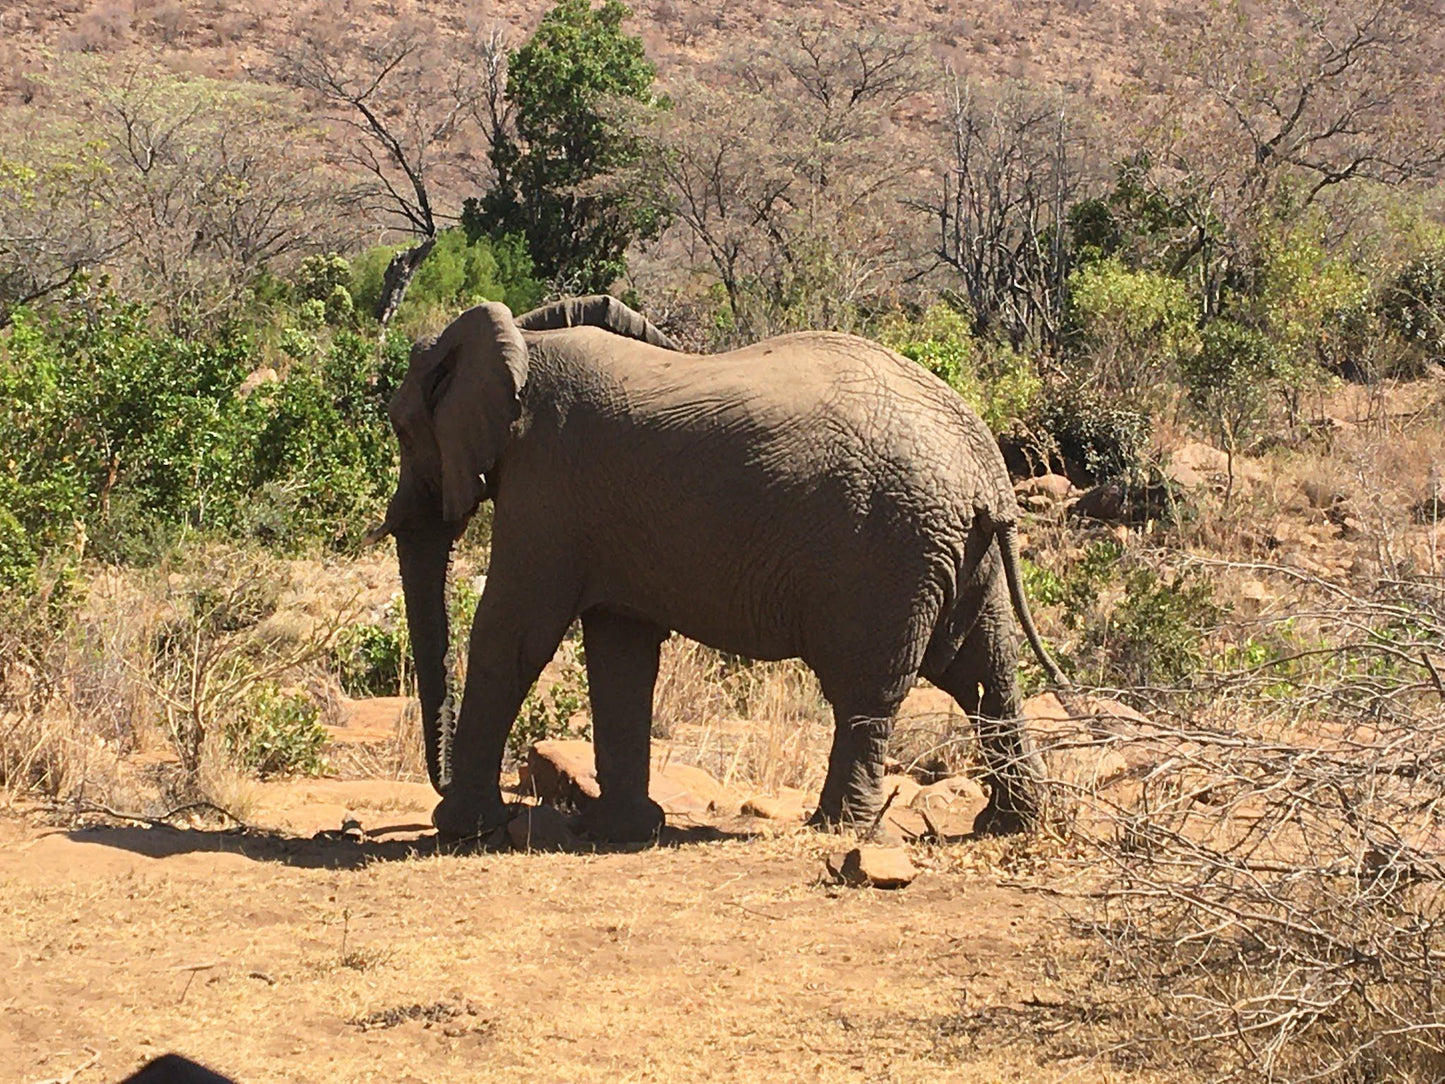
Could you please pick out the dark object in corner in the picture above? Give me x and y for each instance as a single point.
(174, 1069)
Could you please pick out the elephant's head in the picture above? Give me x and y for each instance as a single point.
(452, 414)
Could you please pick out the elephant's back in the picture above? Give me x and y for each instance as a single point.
(812, 410)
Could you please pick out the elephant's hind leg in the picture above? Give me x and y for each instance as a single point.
(622, 658)
(983, 678)
(862, 722)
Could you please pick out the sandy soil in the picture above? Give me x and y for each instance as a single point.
(275, 956)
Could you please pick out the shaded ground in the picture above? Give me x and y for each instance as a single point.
(276, 957)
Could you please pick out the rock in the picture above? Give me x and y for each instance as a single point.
(560, 773)
(947, 808)
(926, 700)
(1053, 488)
(540, 828)
(685, 790)
(1200, 458)
(905, 787)
(788, 805)
(564, 773)
(1103, 502)
(878, 867)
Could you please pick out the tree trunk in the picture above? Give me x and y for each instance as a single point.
(398, 277)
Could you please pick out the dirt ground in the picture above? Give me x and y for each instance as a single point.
(719, 956)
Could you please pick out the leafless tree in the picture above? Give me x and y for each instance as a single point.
(789, 175)
(1269, 109)
(411, 113)
(202, 184)
(1016, 166)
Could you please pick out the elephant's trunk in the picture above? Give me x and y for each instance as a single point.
(423, 554)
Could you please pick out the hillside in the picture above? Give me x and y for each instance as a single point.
(1088, 45)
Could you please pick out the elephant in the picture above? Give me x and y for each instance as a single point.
(813, 496)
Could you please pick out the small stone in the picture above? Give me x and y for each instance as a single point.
(1052, 487)
(540, 828)
(788, 806)
(878, 867)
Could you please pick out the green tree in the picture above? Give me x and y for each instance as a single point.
(580, 89)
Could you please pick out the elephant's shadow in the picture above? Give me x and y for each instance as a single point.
(337, 851)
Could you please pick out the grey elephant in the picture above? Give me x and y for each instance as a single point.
(812, 496)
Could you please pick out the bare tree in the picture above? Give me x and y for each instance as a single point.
(49, 231)
(411, 113)
(1016, 166)
(203, 184)
(1269, 109)
(789, 180)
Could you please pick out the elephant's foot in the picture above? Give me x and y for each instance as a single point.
(468, 814)
(860, 818)
(1004, 820)
(621, 820)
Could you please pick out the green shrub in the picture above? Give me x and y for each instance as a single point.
(119, 438)
(1103, 437)
(318, 276)
(1412, 305)
(455, 275)
(546, 715)
(996, 381)
(277, 733)
(1230, 380)
(1133, 325)
(369, 660)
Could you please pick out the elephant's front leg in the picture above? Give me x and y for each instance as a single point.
(622, 656)
(513, 637)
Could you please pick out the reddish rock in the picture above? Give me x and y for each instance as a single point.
(878, 867)
(1053, 488)
(787, 805)
(560, 773)
(565, 773)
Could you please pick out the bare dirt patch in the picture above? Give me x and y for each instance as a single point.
(275, 956)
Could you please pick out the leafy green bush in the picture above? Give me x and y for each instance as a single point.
(369, 660)
(277, 733)
(456, 275)
(546, 715)
(1103, 437)
(1230, 380)
(119, 438)
(1412, 305)
(1133, 325)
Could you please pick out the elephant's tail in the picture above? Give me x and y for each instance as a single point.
(1008, 545)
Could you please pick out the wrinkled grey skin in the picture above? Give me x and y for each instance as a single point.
(812, 496)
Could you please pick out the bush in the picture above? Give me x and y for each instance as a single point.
(369, 660)
(1412, 305)
(1134, 325)
(1230, 380)
(118, 438)
(1101, 437)
(546, 715)
(277, 733)
(456, 275)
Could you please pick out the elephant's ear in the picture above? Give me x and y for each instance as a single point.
(479, 375)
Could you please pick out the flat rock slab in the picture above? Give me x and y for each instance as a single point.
(565, 773)
(787, 806)
(875, 867)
